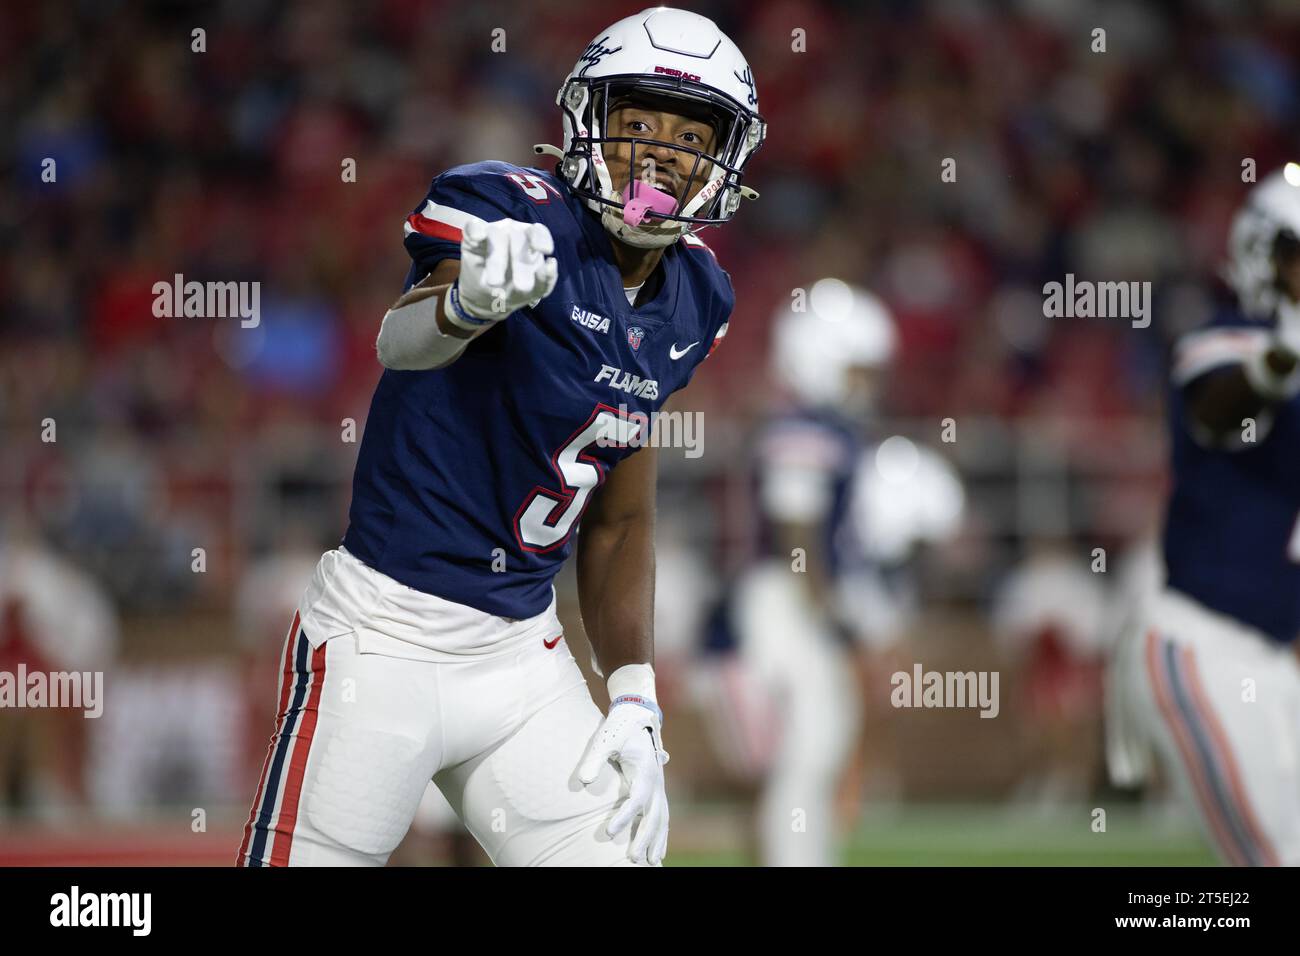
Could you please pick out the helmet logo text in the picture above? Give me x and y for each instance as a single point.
(595, 52)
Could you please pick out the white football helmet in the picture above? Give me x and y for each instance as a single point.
(842, 326)
(1270, 215)
(904, 494)
(685, 59)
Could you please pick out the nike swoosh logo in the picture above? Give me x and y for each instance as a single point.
(674, 354)
(551, 643)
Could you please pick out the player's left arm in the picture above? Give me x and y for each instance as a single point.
(1266, 374)
(503, 266)
(1221, 399)
(616, 565)
(616, 597)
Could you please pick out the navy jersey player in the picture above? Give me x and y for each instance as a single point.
(781, 667)
(547, 316)
(1208, 678)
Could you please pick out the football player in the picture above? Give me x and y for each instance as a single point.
(546, 317)
(54, 618)
(815, 607)
(1206, 677)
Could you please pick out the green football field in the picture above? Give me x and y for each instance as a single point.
(990, 836)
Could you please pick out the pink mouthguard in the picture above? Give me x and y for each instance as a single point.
(640, 198)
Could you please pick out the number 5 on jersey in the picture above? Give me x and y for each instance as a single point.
(546, 517)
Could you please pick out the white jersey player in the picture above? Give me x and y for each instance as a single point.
(786, 678)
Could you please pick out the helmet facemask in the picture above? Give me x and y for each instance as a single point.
(1283, 258)
(586, 104)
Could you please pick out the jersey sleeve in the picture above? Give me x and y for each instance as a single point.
(725, 308)
(433, 230)
(1228, 340)
(721, 296)
(717, 338)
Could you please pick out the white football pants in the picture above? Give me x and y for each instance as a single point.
(495, 712)
(1219, 704)
(807, 681)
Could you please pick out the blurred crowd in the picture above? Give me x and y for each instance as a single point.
(175, 434)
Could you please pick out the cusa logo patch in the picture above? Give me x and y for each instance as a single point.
(589, 320)
(634, 336)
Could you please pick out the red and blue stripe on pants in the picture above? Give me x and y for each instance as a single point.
(275, 809)
(1206, 753)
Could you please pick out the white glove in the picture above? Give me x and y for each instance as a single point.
(504, 266)
(630, 737)
(1288, 326)
(1286, 338)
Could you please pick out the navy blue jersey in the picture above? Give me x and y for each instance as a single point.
(805, 462)
(804, 467)
(1232, 532)
(471, 479)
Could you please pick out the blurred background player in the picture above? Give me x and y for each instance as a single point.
(1050, 617)
(806, 625)
(54, 618)
(1207, 678)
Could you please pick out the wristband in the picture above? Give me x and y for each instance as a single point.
(645, 702)
(634, 684)
(456, 313)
